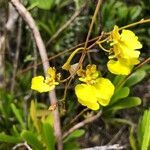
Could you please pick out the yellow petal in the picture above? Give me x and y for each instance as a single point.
(86, 95)
(118, 67)
(51, 72)
(130, 39)
(115, 36)
(39, 85)
(125, 52)
(105, 90)
(93, 106)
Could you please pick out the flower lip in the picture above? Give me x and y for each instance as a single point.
(45, 85)
(96, 94)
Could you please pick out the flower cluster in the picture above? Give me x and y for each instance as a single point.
(95, 90)
(125, 54)
(44, 85)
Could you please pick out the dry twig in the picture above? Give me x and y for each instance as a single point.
(82, 123)
(42, 50)
(22, 145)
(106, 147)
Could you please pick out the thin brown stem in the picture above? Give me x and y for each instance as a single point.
(42, 50)
(142, 21)
(146, 61)
(55, 56)
(81, 44)
(92, 23)
(77, 116)
(90, 29)
(86, 42)
(82, 123)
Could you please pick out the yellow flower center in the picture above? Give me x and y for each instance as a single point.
(89, 75)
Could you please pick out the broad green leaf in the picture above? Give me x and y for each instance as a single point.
(32, 140)
(9, 139)
(48, 135)
(43, 4)
(118, 79)
(125, 103)
(76, 134)
(121, 93)
(18, 115)
(71, 145)
(135, 78)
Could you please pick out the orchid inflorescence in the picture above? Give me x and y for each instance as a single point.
(96, 91)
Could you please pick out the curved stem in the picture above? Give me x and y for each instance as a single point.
(42, 50)
(66, 66)
(103, 48)
(82, 123)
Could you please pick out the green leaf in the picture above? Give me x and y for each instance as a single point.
(135, 78)
(18, 115)
(146, 136)
(76, 134)
(119, 94)
(135, 12)
(28, 58)
(132, 139)
(48, 134)
(118, 79)
(33, 115)
(32, 139)
(15, 132)
(44, 27)
(5, 101)
(125, 103)
(144, 131)
(71, 145)
(43, 4)
(9, 139)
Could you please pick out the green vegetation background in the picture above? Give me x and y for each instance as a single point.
(23, 113)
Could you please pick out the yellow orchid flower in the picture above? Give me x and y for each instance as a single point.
(125, 44)
(96, 91)
(45, 85)
(125, 47)
(38, 84)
